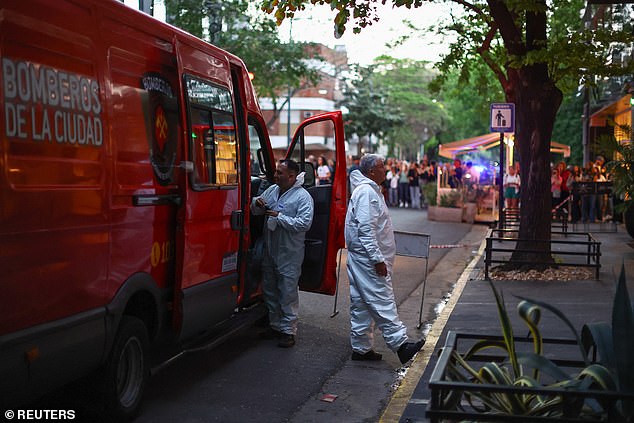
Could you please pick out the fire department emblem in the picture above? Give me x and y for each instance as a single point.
(160, 109)
(160, 127)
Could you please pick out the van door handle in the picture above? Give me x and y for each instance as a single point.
(156, 200)
(237, 220)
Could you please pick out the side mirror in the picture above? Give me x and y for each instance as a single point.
(309, 178)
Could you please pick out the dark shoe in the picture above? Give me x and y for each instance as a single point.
(286, 341)
(369, 356)
(270, 333)
(409, 350)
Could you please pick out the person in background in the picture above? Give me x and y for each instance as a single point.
(600, 202)
(555, 187)
(588, 199)
(371, 251)
(413, 185)
(565, 176)
(323, 171)
(575, 201)
(455, 177)
(331, 166)
(426, 174)
(392, 177)
(512, 188)
(471, 174)
(403, 186)
(289, 212)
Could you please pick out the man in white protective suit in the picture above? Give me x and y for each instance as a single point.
(289, 214)
(371, 251)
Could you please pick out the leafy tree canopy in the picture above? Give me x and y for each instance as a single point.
(253, 37)
(369, 111)
(537, 49)
(406, 83)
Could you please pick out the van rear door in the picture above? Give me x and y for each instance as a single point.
(326, 235)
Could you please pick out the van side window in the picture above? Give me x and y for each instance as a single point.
(213, 145)
(258, 165)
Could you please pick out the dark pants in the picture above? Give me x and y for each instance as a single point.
(403, 192)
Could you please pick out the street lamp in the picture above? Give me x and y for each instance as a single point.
(214, 15)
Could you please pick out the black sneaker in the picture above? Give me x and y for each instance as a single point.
(409, 350)
(270, 333)
(286, 341)
(369, 356)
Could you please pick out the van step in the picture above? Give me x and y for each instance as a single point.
(217, 336)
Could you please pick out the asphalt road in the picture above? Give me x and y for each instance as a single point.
(252, 380)
(248, 379)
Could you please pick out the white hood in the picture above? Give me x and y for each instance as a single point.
(357, 178)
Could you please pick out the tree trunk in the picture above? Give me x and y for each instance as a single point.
(537, 100)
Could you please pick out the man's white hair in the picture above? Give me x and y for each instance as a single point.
(368, 161)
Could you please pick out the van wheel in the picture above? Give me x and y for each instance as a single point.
(126, 371)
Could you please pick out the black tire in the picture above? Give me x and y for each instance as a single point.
(126, 372)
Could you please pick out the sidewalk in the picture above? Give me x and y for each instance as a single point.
(472, 309)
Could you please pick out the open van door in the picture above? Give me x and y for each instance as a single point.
(326, 235)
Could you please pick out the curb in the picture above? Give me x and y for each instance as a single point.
(401, 397)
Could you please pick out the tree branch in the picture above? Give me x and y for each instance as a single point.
(470, 6)
(483, 51)
(509, 31)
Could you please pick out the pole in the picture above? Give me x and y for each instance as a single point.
(288, 118)
(288, 98)
(585, 132)
(501, 195)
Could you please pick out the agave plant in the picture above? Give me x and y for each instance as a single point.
(613, 372)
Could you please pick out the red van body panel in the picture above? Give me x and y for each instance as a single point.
(126, 152)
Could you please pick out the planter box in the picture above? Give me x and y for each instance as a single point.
(566, 352)
(444, 214)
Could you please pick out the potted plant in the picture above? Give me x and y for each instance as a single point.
(448, 208)
(621, 171)
(529, 384)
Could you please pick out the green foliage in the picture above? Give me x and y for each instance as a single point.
(369, 110)
(466, 102)
(186, 15)
(405, 83)
(430, 192)
(613, 372)
(253, 37)
(452, 199)
(568, 128)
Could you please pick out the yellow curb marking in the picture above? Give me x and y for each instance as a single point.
(403, 393)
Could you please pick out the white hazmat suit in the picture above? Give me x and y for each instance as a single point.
(284, 237)
(370, 240)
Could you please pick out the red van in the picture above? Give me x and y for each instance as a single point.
(129, 153)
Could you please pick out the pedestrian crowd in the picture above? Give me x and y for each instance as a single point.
(404, 182)
(569, 184)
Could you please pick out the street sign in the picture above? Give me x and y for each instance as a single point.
(503, 117)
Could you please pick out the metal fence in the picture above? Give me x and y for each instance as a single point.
(570, 251)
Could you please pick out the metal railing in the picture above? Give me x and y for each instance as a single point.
(559, 218)
(590, 249)
(563, 353)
